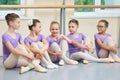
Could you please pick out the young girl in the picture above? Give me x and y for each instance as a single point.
(77, 49)
(57, 46)
(13, 47)
(37, 43)
(105, 46)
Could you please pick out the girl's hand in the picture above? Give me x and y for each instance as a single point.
(61, 36)
(85, 47)
(38, 56)
(30, 57)
(113, 49)
(41, 51)
(57, 53)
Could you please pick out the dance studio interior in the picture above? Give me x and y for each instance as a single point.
(86, 12)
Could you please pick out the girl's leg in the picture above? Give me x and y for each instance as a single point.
(81, 55)
(64, 48)
(55, 48)
(104, 53)
(43, 59)
(49, 60)
(11, 61)
(113, 55)
(88, 42)
(46, 64)
(46, 55)
(33, 64)
(22, 62)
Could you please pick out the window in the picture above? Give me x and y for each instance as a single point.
(97, 12)
(4, 11)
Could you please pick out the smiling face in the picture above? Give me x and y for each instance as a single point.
(101, 27)
(54, 29)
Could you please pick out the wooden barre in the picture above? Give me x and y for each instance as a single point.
(59, 6)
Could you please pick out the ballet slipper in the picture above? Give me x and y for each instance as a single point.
(40, 69)
(72, 62)
(85, 62)
(61, 62)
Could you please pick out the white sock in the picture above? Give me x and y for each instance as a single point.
(46, 63)
(38, 67)
(68, 61)
(49, 60)
(61, 62)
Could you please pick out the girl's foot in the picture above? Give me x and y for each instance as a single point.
(40, 69)
(91, 50)
(54, 65)
(112, 60)
(24, 69)
(72, 62)
(48, 65)
(85, 62)
(107, 60)
(61, 62)
(117, 60)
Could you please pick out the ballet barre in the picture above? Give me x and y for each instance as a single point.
(59, 6)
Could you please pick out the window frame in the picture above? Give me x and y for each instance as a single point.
(98, 12)
(20, 12)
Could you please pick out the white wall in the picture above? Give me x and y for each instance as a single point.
(87, 25)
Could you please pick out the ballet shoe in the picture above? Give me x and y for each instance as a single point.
(72, 62)
(107, 60)
(85, 62)
(54, 65)
(40, 69)
(117, 60)
(61, 62)
(50, 66)
(24, 69)
(112, 60)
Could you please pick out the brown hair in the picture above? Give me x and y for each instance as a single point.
(34, 21)
(11, 17)
(74, 21)
(104, 21)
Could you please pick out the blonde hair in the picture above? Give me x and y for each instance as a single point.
(54, 22)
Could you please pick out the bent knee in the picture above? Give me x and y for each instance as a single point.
(20, 47)
(33, 44)
(54, 44)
